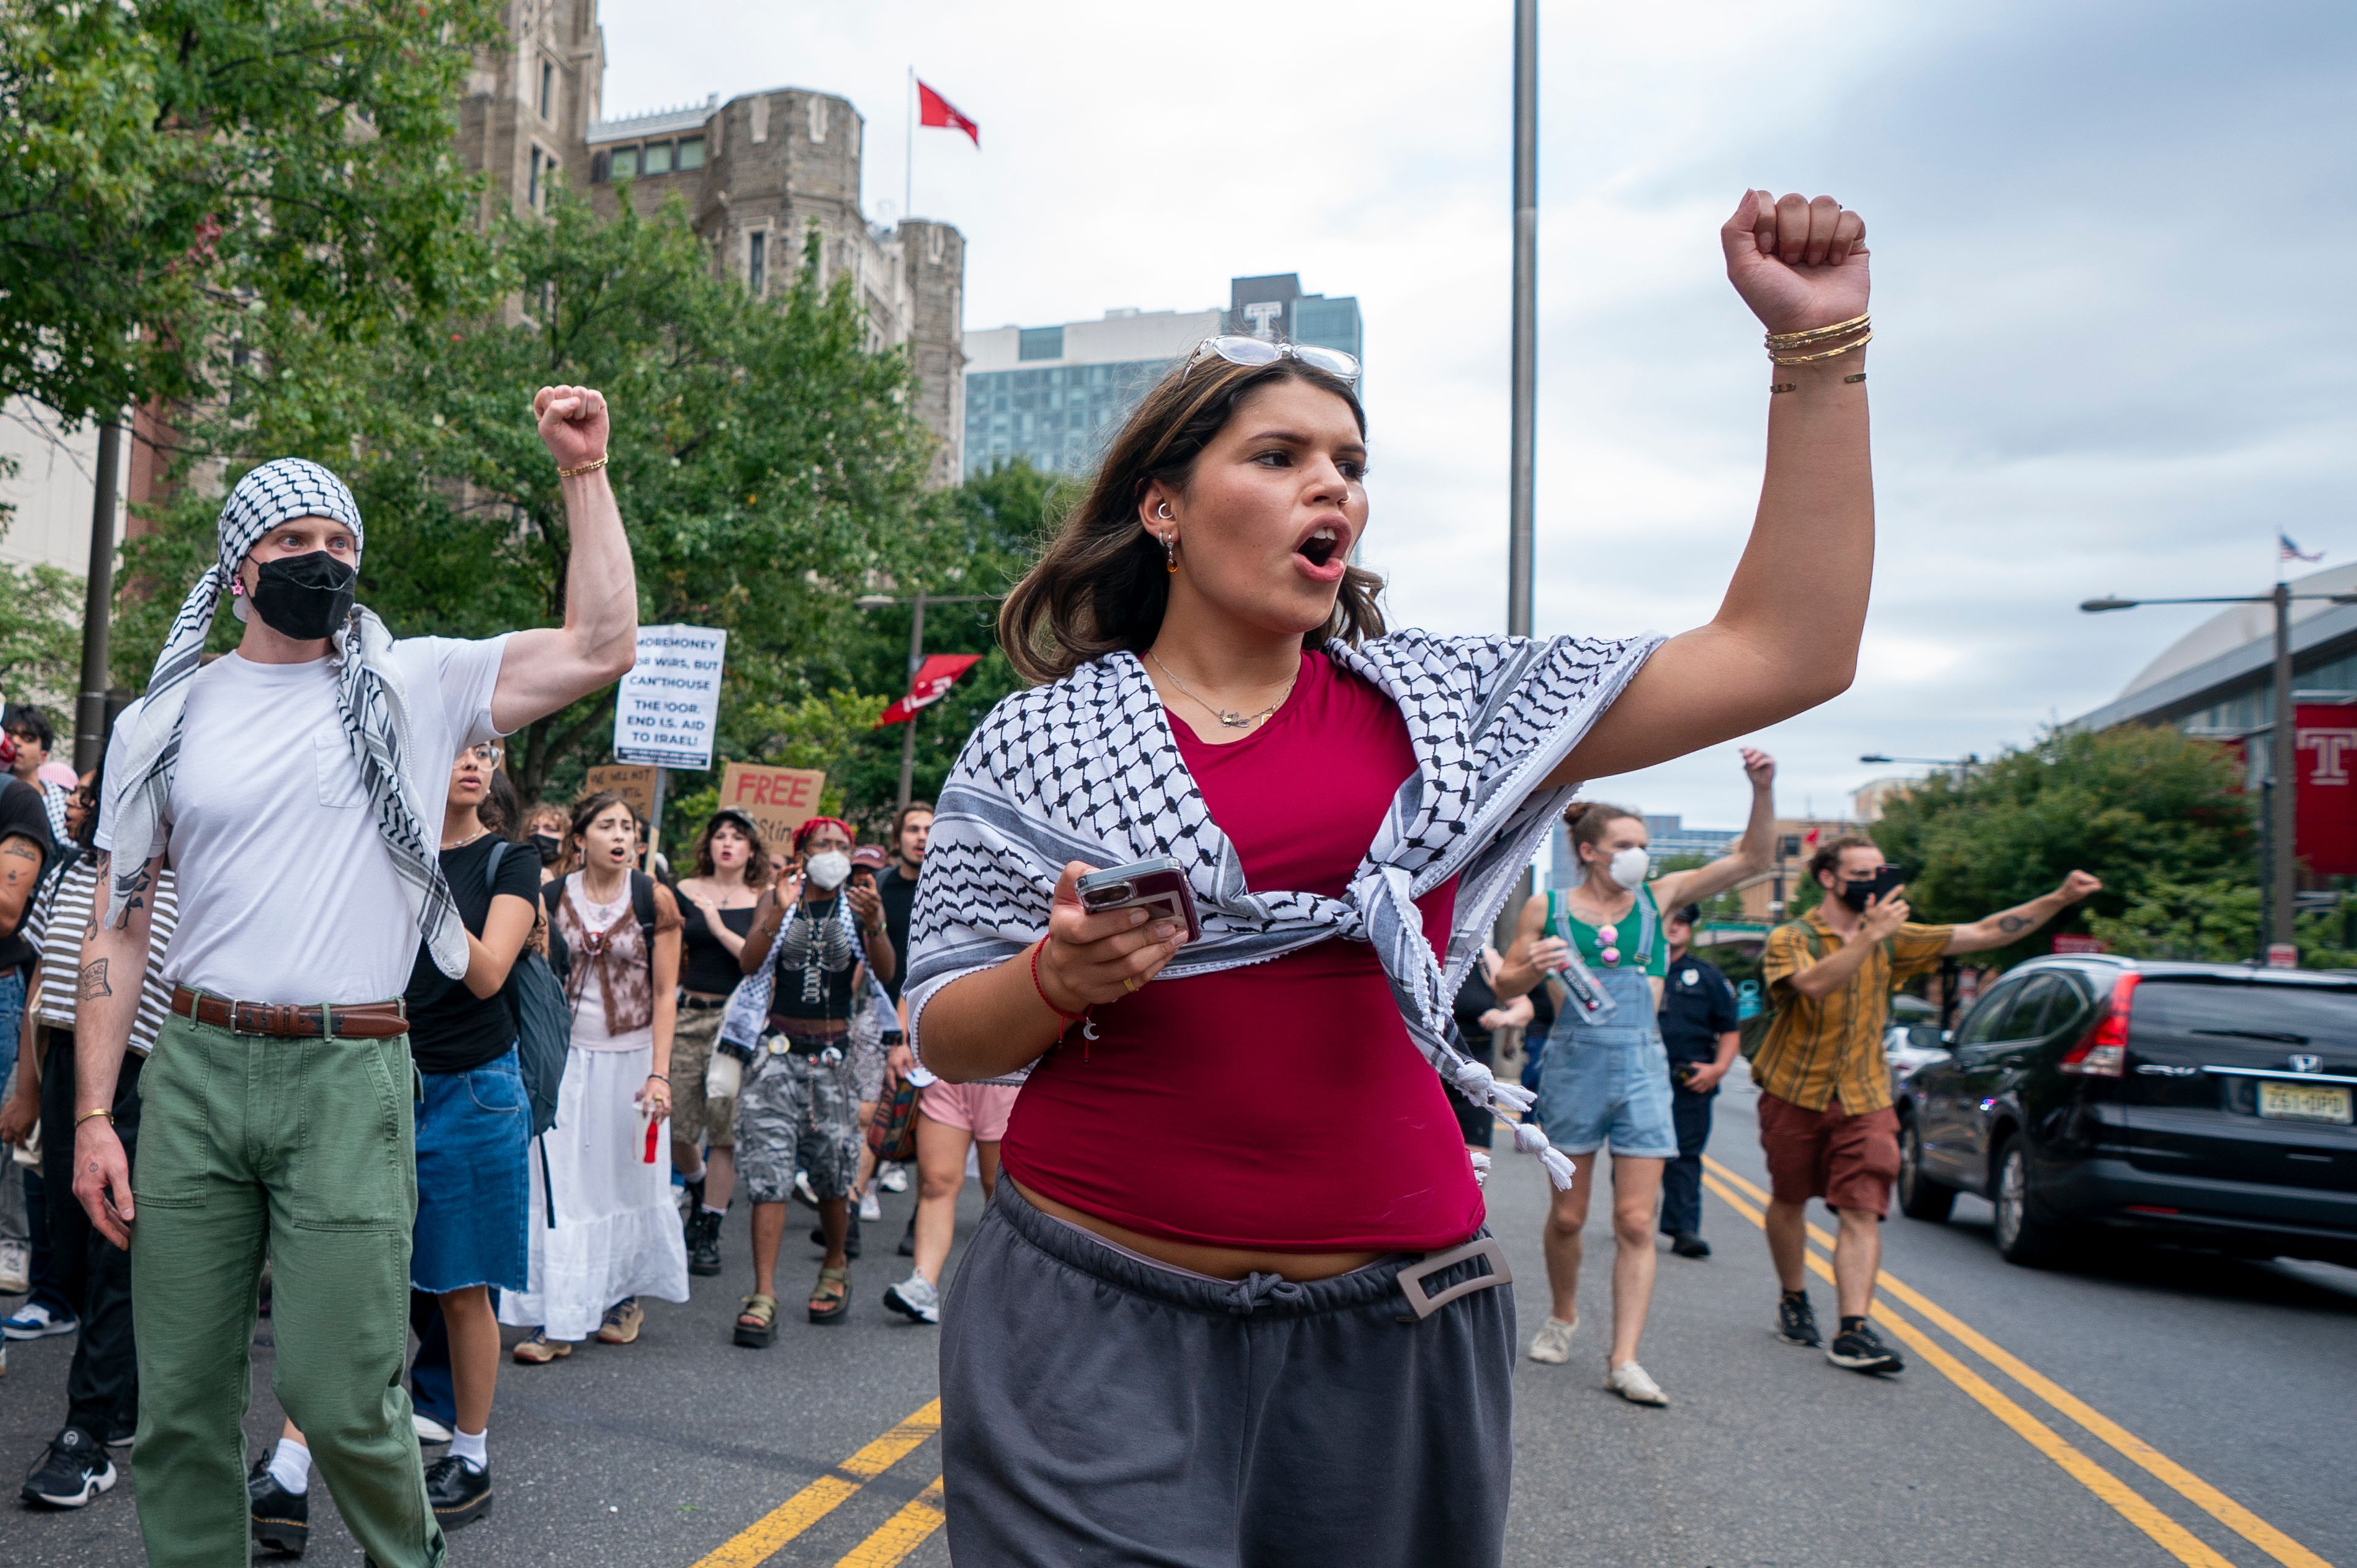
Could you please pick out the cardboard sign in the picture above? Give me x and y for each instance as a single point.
(670, 702)
(779, 799)
(636, 785)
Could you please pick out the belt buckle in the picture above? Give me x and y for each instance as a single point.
(1412, 1278)
(236, 1012)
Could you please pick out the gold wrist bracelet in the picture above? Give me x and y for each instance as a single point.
(583, 468)
(1835, 354)
(1816, 334)
(86, 1115)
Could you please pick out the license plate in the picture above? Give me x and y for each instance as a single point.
(2305, 1102)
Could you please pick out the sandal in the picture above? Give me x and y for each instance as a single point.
(830, 1299)
(537, 1348)
(763, 1328)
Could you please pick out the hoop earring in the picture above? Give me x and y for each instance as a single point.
(1171, 554)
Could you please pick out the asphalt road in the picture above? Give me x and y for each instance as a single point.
(2140, 1409)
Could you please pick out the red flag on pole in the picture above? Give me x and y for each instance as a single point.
(939, 672)
(932, 109)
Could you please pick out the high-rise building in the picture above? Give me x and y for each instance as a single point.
(756, 173)
(1055, 395)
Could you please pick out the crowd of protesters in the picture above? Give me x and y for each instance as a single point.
(559, 1230)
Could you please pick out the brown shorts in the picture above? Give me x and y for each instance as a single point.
(692, 1115)
(1849, 1161)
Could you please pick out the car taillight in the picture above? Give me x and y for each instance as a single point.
(2104, 1051)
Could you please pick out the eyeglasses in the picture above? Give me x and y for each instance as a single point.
(1237, 350)
(490, 753)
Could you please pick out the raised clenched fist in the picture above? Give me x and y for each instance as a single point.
(1798, 263)
(572, 422)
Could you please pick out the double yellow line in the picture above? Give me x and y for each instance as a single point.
(2173, 1537)
(891, 1542)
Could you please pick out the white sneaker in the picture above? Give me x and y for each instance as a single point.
(1634, 1383)
(803, 1190)
(1552, 1342)
(915, 1298)
(37, 1322)
(893, 1177)
(15, 1268)
(870, 1209)
(429, 1429)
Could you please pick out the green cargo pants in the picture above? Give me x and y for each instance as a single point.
(305, 1145)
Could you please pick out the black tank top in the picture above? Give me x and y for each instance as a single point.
(705, 966)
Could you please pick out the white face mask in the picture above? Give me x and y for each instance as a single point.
(1629, 867)
(830, 870)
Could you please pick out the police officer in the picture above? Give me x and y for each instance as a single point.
(1698, 1028)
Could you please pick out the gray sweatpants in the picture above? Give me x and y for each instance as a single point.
(1098, 1408)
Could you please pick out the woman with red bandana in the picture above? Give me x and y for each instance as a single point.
(799, 1107)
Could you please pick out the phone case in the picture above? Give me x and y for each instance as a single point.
(1157, 886)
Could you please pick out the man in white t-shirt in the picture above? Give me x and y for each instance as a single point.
(294, 787)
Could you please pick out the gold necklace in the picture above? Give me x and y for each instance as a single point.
(1228, 718)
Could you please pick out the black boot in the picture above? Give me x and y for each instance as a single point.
(703, 1242)
(282, 1522)
(908, 1248)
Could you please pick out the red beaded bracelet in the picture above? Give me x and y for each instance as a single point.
(1069, 1018)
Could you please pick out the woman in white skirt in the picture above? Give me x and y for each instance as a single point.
(606, 1163)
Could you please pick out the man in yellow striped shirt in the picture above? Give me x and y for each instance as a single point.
(1825, 1122)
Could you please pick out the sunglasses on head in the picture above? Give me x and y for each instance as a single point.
(1237, 350)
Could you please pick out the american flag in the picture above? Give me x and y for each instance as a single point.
(2286, 551)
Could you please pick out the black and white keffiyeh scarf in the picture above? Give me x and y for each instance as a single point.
(1087, 768)
(368, 696)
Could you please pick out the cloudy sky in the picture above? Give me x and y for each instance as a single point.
(2114, 252)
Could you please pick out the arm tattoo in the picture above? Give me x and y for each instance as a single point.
(93, 981)
(2013, 925)
(21, 849)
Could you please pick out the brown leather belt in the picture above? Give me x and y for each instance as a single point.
(291, 1020)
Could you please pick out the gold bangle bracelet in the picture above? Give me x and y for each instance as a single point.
(86, 1115)
(583, 468)
(1823, 353)
(1816, 334)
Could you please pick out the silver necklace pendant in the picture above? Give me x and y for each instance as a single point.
(1232, 719)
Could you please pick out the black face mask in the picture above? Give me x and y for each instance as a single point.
(550, 847)
(307, 597)
(1858, 894)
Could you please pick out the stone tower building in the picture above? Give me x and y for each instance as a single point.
(756, 173)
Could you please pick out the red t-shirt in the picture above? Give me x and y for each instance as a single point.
(1280, 1105)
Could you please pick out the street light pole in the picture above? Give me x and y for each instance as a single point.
(1521, 495)
(2284, 805)
(909, 730)
(89, 708)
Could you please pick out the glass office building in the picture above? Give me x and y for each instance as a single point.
(1055, 395)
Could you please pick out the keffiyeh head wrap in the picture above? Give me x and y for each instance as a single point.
(368, 696)
(1086, 768)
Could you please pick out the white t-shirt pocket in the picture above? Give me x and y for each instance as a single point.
(338, 772)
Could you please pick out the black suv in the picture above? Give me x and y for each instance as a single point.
(2203, 1104)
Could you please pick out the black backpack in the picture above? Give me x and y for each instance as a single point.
(543, 1021)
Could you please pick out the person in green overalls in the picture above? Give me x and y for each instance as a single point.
(1606, 1076)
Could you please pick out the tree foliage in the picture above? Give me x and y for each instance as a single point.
(40, 639)
(770, 466)
(172, 169)
(2147, 809)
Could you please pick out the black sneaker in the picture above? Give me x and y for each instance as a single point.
(459, 1493)
(1795, 1323)
(703, 1243)
(1689, 1244)
(1861, 1349)
(73, 1469)
(282, 1522)
(122, 1429)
